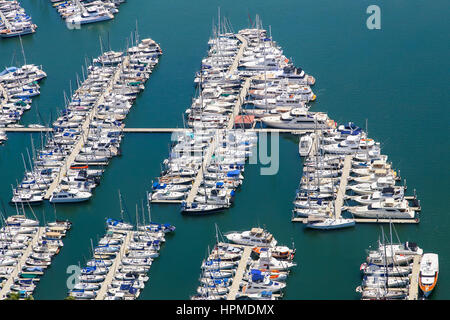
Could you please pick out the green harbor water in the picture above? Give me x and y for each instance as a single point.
(397, 78)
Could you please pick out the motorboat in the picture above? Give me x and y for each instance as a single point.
(385, 209)
(305, 145)
(428, 274)
(299, 119)
(255, 237)
(196, 208)
(331, 223)
(69, 195)
(377, 196)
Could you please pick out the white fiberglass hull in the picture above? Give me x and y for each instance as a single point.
(330, 224)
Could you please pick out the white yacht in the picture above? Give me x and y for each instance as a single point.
(331, 223)
(387, 208)
(254, 237)
(429, 270)
(305, 145)
(299, 119)
(90, 15)
(377, 196)
(69, 195)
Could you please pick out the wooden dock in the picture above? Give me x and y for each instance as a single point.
(7, 285)
(101, 294)
(244, 44)
(315, 145)
(242, 267)
(342, 186)
(414, 282)
(85, 131)
(239, 101)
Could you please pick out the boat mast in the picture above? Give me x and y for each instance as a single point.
(142, 208)
(386, 265)
(148, 208)
(120, 203)
(137, 218)
(23, 52)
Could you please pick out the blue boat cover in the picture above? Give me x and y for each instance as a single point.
(233, 173)
(8, 70)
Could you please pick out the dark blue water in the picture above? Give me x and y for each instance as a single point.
(396, 78)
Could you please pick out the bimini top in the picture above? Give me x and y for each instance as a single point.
(113, 222)
(8, 70)
(233, 173)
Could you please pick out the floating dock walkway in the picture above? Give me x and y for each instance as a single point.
(342, 186)
(112, 271)
(242, 266)
(199, 177)
(414, 284)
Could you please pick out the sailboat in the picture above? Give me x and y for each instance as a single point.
(379, 286)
